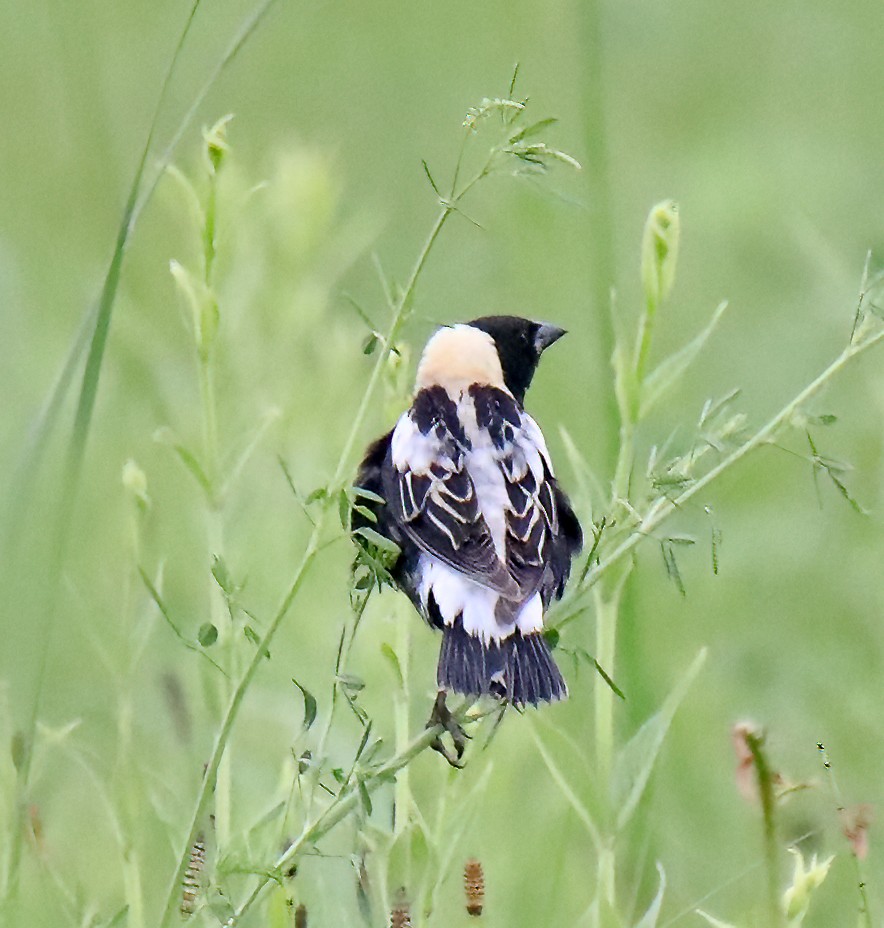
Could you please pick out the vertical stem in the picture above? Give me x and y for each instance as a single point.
(764, 777)
(402, 789)
(606, 878)
(605, 646)
(600, 230)
(239, 692)
(215, 543)
(132, 881)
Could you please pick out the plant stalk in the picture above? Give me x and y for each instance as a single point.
(663, 507)
(343, 805)
(313, 544)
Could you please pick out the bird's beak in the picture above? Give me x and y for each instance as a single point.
(546, 335)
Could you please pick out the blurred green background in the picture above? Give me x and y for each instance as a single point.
(762, 120)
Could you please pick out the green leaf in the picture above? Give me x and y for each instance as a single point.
(636, 760)
(186, 457)
(671, 565)
(202, 304)
(393, 661)
(608, 679)
(625, 387)
(533, 130)
(681, 540)
(164, 612)
(316, 495)
(309, 705)
(378, 541)
(713, 408)
(362, 743)
(117, 919)
(366, 513)
(362, 493)
(430, 179)
(255, 638)
(19, 750)
(364, 798)
(567, 790)
(351, 682)
(649, 919)
(590, 487)
(222, 575)
(668, 372)
(207, 635)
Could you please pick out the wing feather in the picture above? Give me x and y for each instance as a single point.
(429, 480)
(539, 547)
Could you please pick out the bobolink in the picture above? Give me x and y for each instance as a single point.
(486, 534)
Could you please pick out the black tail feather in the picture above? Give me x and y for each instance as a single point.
(519, 669)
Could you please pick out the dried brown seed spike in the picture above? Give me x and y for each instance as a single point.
(301, 916)
(474, 886)
(400, 914)
(190, 885)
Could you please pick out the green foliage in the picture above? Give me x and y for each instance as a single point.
(192, 594)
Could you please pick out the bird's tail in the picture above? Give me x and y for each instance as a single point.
(519, 668)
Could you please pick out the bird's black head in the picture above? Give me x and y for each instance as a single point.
(519, 343)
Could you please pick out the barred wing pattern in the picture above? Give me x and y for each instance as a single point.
(471, 484)
(432, 491)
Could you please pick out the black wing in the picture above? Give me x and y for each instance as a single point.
(543, 533)
(428, 485)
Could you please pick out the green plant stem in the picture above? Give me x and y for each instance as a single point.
(865, 912)
(242, 36)
(313, 545)
(343, 805)
(764, 778)
(402, 790)
(210, 776)
(643, 345)
(607, 609)
(600, 223)
(96, 327)
(663, 507)
(219, 611)
(220, 616)
(399, 317)
(348, 633)
(606, 875)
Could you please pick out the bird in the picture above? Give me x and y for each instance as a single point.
(464, 486)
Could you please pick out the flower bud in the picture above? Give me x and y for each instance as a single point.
(135, 482)
(215, 139)
(660, 252)
(805, 880)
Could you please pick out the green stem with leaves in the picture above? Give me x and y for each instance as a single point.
(344, 804)
(663, 507)
(313, 544)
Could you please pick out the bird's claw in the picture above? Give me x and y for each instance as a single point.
(441, 715)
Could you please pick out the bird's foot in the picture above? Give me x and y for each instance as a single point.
(441, 715)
